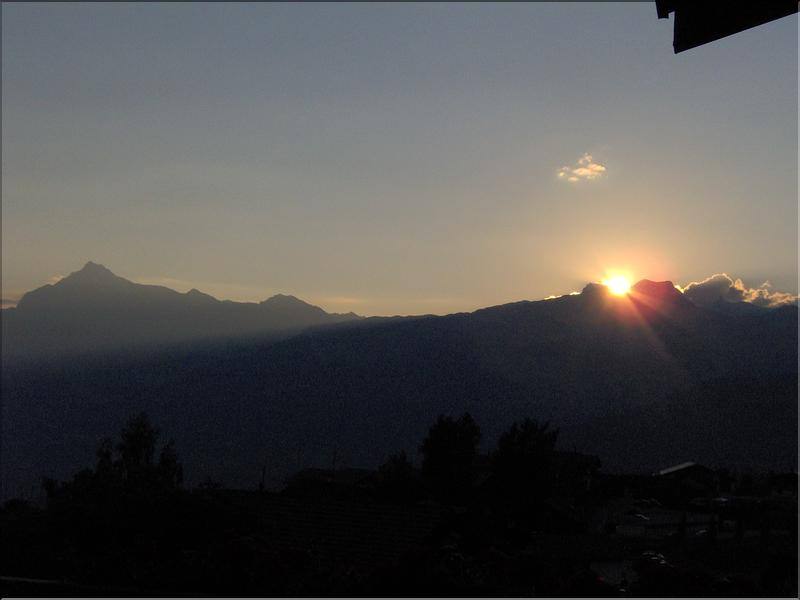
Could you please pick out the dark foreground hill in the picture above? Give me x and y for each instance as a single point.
(643, 381)
(95, 310)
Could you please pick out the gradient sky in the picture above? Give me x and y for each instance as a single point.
(393, 158)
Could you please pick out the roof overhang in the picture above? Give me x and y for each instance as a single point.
(698, 23)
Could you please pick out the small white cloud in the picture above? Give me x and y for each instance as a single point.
(586, 169)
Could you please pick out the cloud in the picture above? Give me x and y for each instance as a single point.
(553, 297)
(586, 169)
(723, 287)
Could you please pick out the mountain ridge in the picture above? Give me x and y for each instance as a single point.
(93, 309)
(643, 381)
(97, 276)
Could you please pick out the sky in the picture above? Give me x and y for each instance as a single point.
(393, 159)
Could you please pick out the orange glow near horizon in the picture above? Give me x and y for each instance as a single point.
(619, 285)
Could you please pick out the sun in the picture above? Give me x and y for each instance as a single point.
(619, 285)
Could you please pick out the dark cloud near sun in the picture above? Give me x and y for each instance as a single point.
(723, 287)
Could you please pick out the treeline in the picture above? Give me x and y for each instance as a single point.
(511, 522)
(522, 467)
(129, 520)
(522, 470)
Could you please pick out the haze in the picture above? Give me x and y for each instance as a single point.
(393, 159)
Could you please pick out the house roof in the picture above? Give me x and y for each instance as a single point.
(698, 23)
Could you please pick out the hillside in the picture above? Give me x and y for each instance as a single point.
(643, 381)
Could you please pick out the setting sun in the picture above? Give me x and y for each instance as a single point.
(619, 285)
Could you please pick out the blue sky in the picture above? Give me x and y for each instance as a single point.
(395, 158)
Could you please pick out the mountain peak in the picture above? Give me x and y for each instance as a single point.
(91, 272)
(93, 267)
(595, 290)
(284, 300)
(659, 295)
(290, 305)
(662, 290)
(197, 296)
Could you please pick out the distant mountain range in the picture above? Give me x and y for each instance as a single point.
(95, 310)
(643, 381)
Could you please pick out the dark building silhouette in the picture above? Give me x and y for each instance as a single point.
(698, 23)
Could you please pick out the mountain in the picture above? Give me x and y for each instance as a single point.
(95, 310)
(643, 381)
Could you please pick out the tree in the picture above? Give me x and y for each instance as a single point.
(130, 505)
(132, 470)
(137, 447)
(522, 465)
(105, 458)
(396, 481)
(170, 470)
(449, 453)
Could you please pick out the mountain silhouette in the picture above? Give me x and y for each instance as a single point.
(95, 310)
(643, 381)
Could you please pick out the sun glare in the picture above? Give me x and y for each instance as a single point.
(618, 285)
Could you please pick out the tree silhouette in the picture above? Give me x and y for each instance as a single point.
(170, 470)
(130, 505)
(396, 481)
(137, 447)
(448, 456)
(105, 458)
(522, 465)
(133, 470)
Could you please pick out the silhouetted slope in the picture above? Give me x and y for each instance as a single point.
(643, 381)
(93, 309)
